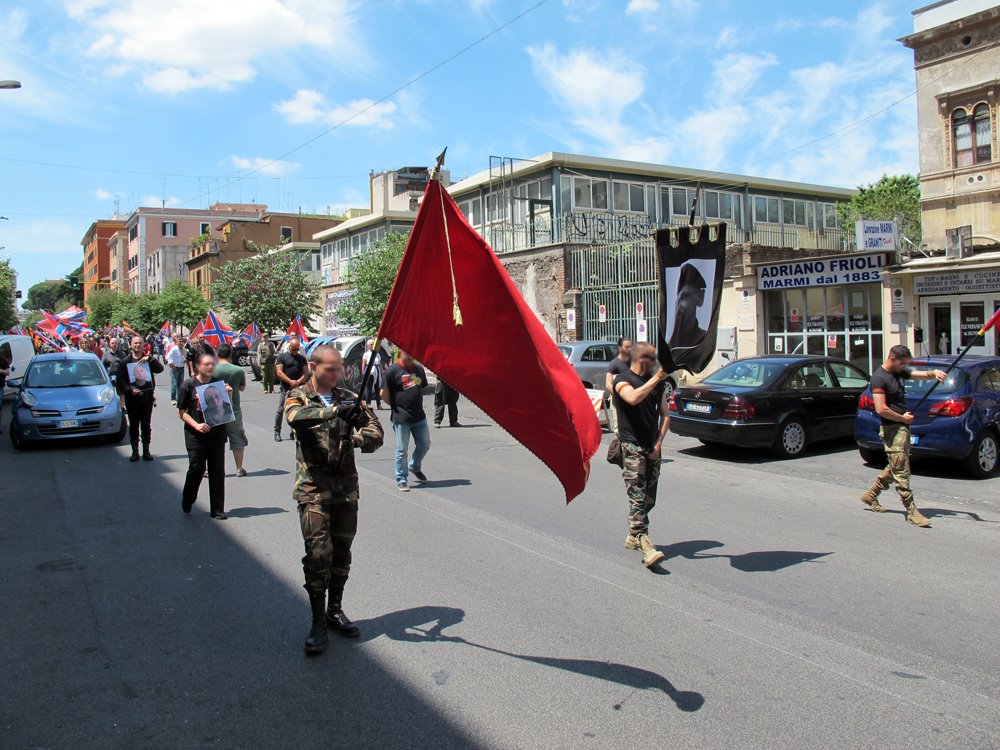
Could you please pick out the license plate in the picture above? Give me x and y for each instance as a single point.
(698, 407)
(914, 439)
(65, 424)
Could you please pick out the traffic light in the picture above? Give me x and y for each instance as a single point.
(74, 281)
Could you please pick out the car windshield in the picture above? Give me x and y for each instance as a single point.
(66, 373)
(956, 380)
(750, 374)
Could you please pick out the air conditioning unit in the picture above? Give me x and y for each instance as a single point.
(958, 242)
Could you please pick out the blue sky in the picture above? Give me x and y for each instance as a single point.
(143, 101)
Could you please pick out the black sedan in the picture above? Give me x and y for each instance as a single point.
(781, 403)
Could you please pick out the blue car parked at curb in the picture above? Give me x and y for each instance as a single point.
(65, 395)
(961, 419)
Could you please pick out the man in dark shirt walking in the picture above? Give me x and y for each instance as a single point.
(616, 367)
(889, 395)
(403, 389)
(292, 370)
(643, 419)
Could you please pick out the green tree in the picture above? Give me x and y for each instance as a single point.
(140, 311)
(100, 305)
(892, 198)
(8, 289)
(181, 304)
(372, 275)
(267, 288)
(42, 296)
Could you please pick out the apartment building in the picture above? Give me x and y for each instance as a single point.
(96, 254)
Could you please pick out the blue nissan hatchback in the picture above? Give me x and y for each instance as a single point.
(961, 419)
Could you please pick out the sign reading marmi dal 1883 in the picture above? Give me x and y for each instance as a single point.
(844, 269)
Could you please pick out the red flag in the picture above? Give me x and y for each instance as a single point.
(295, 328)
(216, 334)
(448, 268)
(198, 329)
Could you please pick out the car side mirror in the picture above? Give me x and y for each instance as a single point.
(14, 382)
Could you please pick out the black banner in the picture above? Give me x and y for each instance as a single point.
(692, 265)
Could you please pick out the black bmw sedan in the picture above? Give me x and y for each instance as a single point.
(782, 403)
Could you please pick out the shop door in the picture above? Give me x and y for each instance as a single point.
(941, 335)
(972, 317)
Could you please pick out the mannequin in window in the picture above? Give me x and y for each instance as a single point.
(944, 344)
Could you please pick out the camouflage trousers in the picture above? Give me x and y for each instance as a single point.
(896, 441)
(641, 477)
(328, 529)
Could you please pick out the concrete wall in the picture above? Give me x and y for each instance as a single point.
(540, 275)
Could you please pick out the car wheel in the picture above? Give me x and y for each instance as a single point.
(668, 389)
(872, 456)
(792, 439)
(985, 456)
(16, 440)
(255, 366)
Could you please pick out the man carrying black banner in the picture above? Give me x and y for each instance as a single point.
(643, 419)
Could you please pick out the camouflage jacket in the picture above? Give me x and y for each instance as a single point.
(324, 457)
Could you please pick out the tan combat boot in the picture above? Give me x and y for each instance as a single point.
(632, 542)
(870, 499)
(914, 516)
(650, 555)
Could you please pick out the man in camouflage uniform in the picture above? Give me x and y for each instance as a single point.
(329, 423)
(643, 419)
(265, 358)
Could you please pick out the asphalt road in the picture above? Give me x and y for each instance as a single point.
(494, 616)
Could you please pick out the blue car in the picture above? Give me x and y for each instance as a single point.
(961, 419)
(65, 395)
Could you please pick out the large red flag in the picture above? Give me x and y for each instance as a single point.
(499, 356)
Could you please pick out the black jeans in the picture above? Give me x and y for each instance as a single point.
(445, 395)
(140, 417)
(207, 449)
(279, 417)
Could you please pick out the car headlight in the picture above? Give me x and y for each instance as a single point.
(107, 395)
(28, 399)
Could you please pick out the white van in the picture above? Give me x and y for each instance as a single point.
(19, 350)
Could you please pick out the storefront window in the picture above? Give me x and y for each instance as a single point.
(815, 309)
(972, 316)
(941, 335)
(795, 305)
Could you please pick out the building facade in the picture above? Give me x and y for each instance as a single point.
(237, 237)
(950, 289)
(149, 229)
(165, 264)
(97, 254)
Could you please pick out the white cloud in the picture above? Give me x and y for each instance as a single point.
(189, 44)
(264, 166)
(642, 6)
(155, 201)
(309, 106)
(103, 195)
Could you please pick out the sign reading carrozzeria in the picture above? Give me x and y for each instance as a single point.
(842, 269)
(957, 282)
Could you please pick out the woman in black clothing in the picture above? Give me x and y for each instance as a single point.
(137, 388)
(205, 444)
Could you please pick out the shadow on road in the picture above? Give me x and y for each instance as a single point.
(945, 513)
(767, 561)
(251, 512)
(439, 483)
(405, 625)
(752, 456)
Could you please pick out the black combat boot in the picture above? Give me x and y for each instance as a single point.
(335, 617)
(146, 455)
(135, 453)
(317, 640)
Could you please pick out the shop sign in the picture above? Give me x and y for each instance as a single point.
(876, 235)
(845, 269)
(958, 282)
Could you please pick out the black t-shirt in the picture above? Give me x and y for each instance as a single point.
(187, 401)
(639, 424)
(293, 365)
(891, 384)
(617, 367)
(406, 393)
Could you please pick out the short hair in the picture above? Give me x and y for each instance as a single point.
(225, 351)
(691, 276)
(640, 348)
(899, 351)
(202, 356)
(622, 340)
(320, 352)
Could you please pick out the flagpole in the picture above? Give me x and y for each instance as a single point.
(435, 175)
(982, 332)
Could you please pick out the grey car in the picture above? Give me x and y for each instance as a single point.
(590, 360)
(65, 395)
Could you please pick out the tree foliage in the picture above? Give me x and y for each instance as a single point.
(100, 306)
(267, 288)
(8, 289)
(181, 304)
(140, 311)
(892, 198)
(49, 295)
(372, 275)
